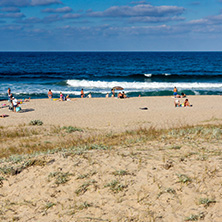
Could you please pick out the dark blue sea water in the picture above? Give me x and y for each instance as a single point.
(32, 74)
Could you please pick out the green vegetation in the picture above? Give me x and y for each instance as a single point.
(28, 140)
(60, 177)
(36, 122)
(49, 205)
(84, 187)
(206, 202)
(120, 173)
(70, 129)
(115, 186)
(192, 218)
(183, 178)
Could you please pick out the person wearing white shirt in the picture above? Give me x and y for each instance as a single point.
(14, 103)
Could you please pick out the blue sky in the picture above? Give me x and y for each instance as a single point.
(110, 25)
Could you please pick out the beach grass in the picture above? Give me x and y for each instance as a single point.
(23, 140)
(88, 174)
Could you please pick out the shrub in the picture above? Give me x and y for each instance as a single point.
(36, 122)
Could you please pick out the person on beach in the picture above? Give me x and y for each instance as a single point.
(175, 91)
(107, 95)
(68, 98)
(123, 95)
(50, 94)
(9, 93)
(10, 98)
(113, 92)
(119, 95)
(186, 103)
(177, 103)
(183, 95)
(82, 93)
(14, 103)
(89, 95)
(61, 96)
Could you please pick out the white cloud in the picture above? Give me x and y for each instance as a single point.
(58, 10)
(11, 15)
(138, 10)
(10, 9)
(148, 19)
(24, 3)
(19, 3)
(71, 16)
(45, 2)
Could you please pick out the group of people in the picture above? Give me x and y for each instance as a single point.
(12, 100)
(122, 95)
(82, 95)
(61, 96)
(177, 102)
(14, 103)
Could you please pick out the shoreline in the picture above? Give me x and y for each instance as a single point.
(112, 114)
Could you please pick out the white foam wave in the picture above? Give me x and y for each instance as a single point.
(148, 75)
(167, 74)
(131, 86)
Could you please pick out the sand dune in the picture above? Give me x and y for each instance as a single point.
(172, 176)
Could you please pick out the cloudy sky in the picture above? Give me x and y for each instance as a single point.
(110, 25)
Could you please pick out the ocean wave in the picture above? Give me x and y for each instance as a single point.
(88, 84)
(148, 75)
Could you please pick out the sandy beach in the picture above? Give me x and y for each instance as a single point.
(81, 165)
(114, 114)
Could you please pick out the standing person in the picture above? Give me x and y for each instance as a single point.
(113, 92)
(50, 94)
(9, 94)
(10, 98)
(175, 91)
(82, 93)
(60, 96)
(107, 95)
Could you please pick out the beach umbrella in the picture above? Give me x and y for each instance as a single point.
(118, 88)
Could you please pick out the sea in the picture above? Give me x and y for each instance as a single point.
(32, 74)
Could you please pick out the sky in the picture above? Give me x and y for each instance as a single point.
(110, 25)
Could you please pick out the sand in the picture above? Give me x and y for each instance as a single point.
(162, 180)
(114, 114)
